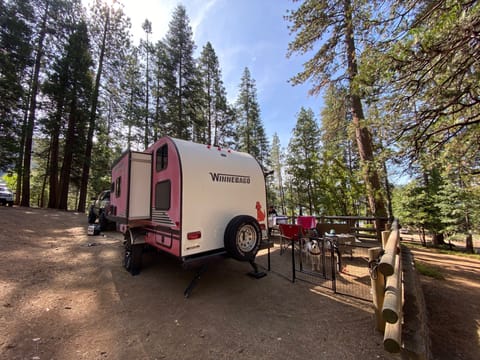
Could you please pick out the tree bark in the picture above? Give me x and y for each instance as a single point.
(147, 99)
(44, 183)
(362, 133)
(92, 120)
(27, 159)
(54, 153)
(67, 158)
(22, 151)
(469, 244)
(438, 239)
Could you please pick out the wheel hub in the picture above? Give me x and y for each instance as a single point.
(247, 238)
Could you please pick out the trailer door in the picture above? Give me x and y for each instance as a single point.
(140, 186)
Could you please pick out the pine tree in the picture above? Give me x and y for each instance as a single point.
(133, 107)
(416, 204)
(109, 29)
(338, 25)
(277, 191)
(303, 161)
(250, 131)
(15, 37)
(340, 180)
(432, 78)
(56, 89)
(54, 19)
(164, 91)
(30, 121)
(180, 48)
(77, 62)
(225, 127)
(147, 27)
(214, 102)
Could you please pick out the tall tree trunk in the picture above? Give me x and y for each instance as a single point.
(209, 108)
(44, 183)
(156, 127)
(147, 100)
(53, 172)
(423, 240)
(92, 120)
(388, 192)
(31, 112)
(67, 158)
(468, 239)
(54, 154)
(19, 162)
(469, 244)
(215, 130)
(180, 104)
(129, 133)
(362, 134)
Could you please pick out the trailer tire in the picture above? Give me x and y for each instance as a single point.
(242, 238)
(132, 259)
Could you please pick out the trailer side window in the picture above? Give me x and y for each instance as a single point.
(117, 186)
(162, 158)
(162, 195)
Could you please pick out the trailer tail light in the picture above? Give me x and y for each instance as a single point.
(194, 235)
(263, 227)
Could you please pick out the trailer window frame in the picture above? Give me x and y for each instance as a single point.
(163, 191)
(161, 158)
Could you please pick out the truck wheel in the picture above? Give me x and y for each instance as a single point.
(132, 260)
(242, 238)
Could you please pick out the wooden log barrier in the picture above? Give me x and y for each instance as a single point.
(385, 235)
(392, 338)
(377, 281)
(392, 303)
(391, 299)
(392, 310)
(387, 263)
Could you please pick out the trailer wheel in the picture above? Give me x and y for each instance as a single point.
(132, 260)
(242, 238)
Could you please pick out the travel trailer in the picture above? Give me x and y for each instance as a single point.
(193, 201)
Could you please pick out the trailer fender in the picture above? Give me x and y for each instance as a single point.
(242, 237)
(134, 245)
(136, 235)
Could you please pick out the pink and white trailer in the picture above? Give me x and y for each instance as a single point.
(193, 201)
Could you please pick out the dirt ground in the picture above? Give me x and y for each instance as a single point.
(65, 295)
(453, 305)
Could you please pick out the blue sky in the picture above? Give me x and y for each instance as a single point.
(244, 33)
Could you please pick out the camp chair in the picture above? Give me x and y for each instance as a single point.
(308, 223)
(290, 234)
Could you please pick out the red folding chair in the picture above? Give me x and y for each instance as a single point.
(308, 223)
(290, 234)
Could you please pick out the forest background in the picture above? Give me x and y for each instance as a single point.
(399, 83)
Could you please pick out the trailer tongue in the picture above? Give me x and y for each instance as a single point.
(195, 202)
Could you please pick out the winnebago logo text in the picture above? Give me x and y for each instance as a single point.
(229, 178)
